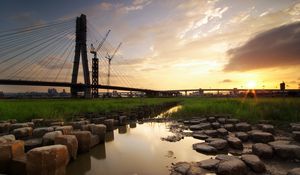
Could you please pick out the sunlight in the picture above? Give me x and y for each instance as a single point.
(251, 84)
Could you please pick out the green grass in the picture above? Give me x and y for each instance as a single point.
(278, 109)
(24, 110)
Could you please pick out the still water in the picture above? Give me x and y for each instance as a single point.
(135, 150)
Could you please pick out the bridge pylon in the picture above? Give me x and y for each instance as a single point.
(81, 49)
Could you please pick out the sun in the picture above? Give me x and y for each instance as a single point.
(251, 84)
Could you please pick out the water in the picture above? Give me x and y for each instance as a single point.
(135, 151)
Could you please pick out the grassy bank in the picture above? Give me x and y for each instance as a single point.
(279, 109)
(23, 110)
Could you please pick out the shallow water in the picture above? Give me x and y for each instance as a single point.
(135, 151)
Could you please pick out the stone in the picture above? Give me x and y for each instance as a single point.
(22, 133)
(204, 148)
(182, 167)
(222, 120)
(219, 144)
(39, 132)
(254, 163)
(7, 138)
(229, 127)
(38, 122)
(49, 138)
(94, 140)
(232, 167)
(9, 151)
(50, 160)
(225, 157)
(100, 130)
(18, 166)
(262, 150)
(77, 125)
(98, 120)
(66, 130)
(200, 136)
(287, 151)
(109, 123)
(235, 143)
(196, 170)
(84, 140)
(262, 137)
(222, 131)
(211, 119)
(4, 127)
(243, 127)
(211, 133)
(215, 125)
(209, 164)
(295, 171)
(295, 126)
(194, 122)
(267, 128)
(33, 143)
(70, 141)
(296, 135)
(122, 120)
(242, 136)
(18, 125)
(200, 126)
(232, 121)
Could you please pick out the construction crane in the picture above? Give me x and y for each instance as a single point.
(95, 66)
(109, 58)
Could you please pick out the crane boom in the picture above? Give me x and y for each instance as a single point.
(103, 40)
(111, 57)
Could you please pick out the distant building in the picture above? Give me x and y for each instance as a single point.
(282, 86)
(52, 92)
(1, 94)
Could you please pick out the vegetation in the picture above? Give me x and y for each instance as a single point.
(251, 109)
(23, 110)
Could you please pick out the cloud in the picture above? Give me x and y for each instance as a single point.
(227, 81)
(26, 18)
(273, 48)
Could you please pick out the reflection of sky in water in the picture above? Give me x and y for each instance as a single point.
(139, 151)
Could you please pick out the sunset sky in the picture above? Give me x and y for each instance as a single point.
(178, 44)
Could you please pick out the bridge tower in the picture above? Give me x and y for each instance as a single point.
(80, 49)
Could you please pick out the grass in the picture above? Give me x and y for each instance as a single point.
(278, 109)
(24, 110)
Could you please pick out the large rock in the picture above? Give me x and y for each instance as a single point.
(182, 167)
(242, 136)
(232, 167)
(254, 163)
(40, 132)
(98, 120)
(262, 150)
(33, 143)
(94, 140)
(209, 164)
(229, 127)
(99, 130)
(204, 148)
(66, 130)
(200, 126)
(9, 151)
(18, 125)
(232, 121)
(18, 166)
(109, 123)
(295, 171)
(222, 131)
(211, 133)
(215, 125)
(196, 170)
(71, 142)
(243, 127)
(4, 127)
(287, 151)
(261, 137)
(122, 120)
(22, 133)
(296, 135)
(219, 144)
(84, 140)
(47, 160)
(7, 138)
(49, 138)
(38, 122)
(235, 143)
(266, 128)
(225, 157)
(200, 136)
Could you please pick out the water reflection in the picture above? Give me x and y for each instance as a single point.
(139, 151)
(169, 112)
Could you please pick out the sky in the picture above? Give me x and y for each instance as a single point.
(180, 44)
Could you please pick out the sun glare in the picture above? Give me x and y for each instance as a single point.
(251, 84)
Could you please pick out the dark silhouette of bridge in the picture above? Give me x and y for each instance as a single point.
(38, 56)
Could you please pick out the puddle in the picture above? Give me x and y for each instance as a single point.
(135, 151)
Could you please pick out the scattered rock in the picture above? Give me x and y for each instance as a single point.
(66, 130)
(70, 141)
(225, 157)
(287, 151)
(7, 138)
(211, 133)
(232, 167)
(232, 121)
(200, 126)
(266, 128)
(262, 150)
(211, 119)
(33, 143)
(295, 171)
(109, 124)
(204, 148)
(215, 125)
(84, 140)
(219, 144)
(196, 170)
(9, 151)
(244, 127)
(22, 133)
(173, 138)
(209, 164)
(49, 138)
(18, 125)
(99, 130)
(262, 137)
(254, 163)
(222, 120)
(39, 132)
(242, 136)
(296, 135)
(4, 127)
(229, 127)
(235, 143)
(222, 131)
(182, 167)
(200, 136)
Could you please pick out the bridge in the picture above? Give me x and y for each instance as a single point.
(51, 54)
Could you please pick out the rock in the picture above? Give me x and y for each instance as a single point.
(222, 131)
(215, 125)
(200, 126)
(109, 124)
(7, 138)
(287, 151)
(211, 119)
(84, 140)
(49, 138)
(18, 125)
(33, 143)
(132, 124)
(222, 120)
(279, 142)
(39, 132)
(70, 141)
(66, 130)
(235, 143)
(22, 133)
(243, 127)
(295, 171)
(296, 135)
(295, 126)
(232, 121)
(38, 122)
(195, 170)
(9, 151)
(122, 120)
(182, 167)
(219, 144)
(211, 133)
(229, 127)
(99, 130)
(242, 136)
(193, 122)
(77, 125)
(266, 128)
(262, 150)
(200, 136)
(98, 120)
(225, 157)
(254, 163)
(232, 167)
(209, 164)
(262, 137)
(4, 127)
(173, 138)
(18, 166)
(204, 148)
(50, 160)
